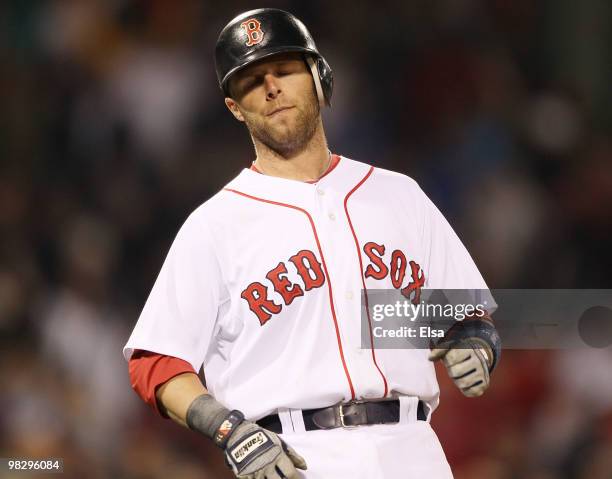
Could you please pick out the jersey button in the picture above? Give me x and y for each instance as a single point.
(320, 191)
(349, 295)
(332, 217)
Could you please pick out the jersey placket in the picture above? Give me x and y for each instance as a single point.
(343, 266)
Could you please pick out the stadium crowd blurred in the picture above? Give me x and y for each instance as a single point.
(112, 130)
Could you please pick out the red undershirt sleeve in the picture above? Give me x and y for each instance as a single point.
(150, 370)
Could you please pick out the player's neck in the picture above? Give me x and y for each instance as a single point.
(308, 164)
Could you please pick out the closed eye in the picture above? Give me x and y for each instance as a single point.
(249, 83)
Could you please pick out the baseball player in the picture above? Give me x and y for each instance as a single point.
(262, 288)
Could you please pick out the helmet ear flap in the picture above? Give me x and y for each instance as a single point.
(323, 78)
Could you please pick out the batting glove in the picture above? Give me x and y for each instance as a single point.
(256, 453)
(251, 451)
(467, 362)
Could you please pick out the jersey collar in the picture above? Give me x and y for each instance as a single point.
(335, 159)
(340, 178)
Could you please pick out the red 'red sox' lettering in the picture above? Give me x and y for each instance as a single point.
(398, 264)
(256, 294)
(398, 268)
(370, 249)
(282, 285)
(310, 270)
(416, 284)
(304, 271)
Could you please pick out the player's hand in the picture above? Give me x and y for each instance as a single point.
(467, 363)
(253, 452)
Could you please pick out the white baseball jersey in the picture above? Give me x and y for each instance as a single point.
(263, 282)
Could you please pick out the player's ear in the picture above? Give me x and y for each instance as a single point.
(233, 107)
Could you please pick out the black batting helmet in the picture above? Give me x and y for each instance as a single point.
(260, 33)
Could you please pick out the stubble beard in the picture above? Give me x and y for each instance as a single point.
(287, 141)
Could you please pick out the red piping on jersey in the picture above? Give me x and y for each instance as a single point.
(365, 291)
(329, 287)
(334, 162)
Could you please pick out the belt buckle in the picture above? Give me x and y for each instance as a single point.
(341, 414)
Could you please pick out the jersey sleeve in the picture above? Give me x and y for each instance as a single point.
(447, 262)
(148, 371)
(180, 313)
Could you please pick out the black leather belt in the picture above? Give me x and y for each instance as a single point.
(349, 414)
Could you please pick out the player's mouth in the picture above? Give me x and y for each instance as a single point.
(279, 110)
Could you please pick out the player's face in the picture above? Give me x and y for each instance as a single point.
(276, 99)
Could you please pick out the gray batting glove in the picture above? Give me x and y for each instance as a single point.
(467, 362)
(253, 452)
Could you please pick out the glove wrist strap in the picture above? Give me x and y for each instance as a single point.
(476, 329)
(209, 417)
(227, 428)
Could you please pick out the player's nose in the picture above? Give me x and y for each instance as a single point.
(272, 86)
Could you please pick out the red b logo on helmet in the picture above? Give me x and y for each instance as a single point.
(252, 28)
